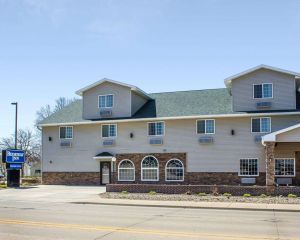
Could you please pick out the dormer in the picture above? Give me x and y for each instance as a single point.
(264, 88)
(107, 99)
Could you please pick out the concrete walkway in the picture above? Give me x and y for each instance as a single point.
(196, 205)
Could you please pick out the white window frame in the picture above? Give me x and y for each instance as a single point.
(113, 102)
(156, 128)
(166, 168)
(126, 168)
(205, 126)
(260, 119)
(294, 175)
(109, 124)
(244, 175)
(66, 138)
(262, 85)
(157, 175)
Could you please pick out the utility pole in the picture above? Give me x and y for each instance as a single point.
(16, 124)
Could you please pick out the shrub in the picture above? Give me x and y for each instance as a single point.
(189, 193)
(3, 186)
(263, 195)
(247, 195)
(227, 194)
(201, 194)
(152, 193)
(292, 195)
(124, 192)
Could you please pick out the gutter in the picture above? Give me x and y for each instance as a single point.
(171, 118)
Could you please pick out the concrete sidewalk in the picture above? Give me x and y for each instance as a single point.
(196, 205)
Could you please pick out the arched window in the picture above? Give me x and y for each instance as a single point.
(126, 171)
(149, 169)
(174, 170)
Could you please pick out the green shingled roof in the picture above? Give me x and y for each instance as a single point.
(168, 104)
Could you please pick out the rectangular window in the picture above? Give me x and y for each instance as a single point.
(285, 167)
(206, 126)
(156, 129)
(106, 101)
(261, 125)
(264, 90)
(109, 130)
(66, 132)
(248, 167)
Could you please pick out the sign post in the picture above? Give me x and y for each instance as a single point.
(14, 160)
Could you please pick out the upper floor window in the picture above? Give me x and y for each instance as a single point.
(261, 125)
(106, 101)
(156, 129)
(285, 167)
(248, 167)
(109, 130)
(264, 90)
(66, 132)
(206, 126)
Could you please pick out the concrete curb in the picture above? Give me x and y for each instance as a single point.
(189, 207)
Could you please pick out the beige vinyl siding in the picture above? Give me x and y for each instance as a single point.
(122, 100)
(136, 102)
(284, 92)
(180, 136)
(290, 136)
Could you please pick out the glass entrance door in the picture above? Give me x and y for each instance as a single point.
(105, 172)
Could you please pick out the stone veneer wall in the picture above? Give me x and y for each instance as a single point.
(71, 178)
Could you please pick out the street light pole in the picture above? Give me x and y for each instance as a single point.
(16, 124)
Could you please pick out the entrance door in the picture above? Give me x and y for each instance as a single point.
(105, 172)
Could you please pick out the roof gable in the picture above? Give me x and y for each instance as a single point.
(228, 80)
(104, 80)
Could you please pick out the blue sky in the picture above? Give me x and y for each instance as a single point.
(51, 48)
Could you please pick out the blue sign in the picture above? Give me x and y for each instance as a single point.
(15, 156)
(15, 165)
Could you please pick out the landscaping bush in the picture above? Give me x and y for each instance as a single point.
(188, 193)
(263, 195)
(201, 194)
(227, 195)
(247, 195)
(292, 195)
(152, 193)
(3, 186)
(124, 192)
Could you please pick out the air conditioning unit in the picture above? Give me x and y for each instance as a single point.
(66, 143)
(248, 180)
(156, 141)
(257, 138)
(263, 105)
(108, 142)
(105, 112)
(206, 140)
(284, 181)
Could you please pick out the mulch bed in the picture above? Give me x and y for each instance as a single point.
(197, 198)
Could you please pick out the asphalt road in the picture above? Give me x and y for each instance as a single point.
(27, 214)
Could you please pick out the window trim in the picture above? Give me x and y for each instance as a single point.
(205, 126)
(243, 175)
(262, 84)
(166, 170)
(294, 175)
(110, 137)
(260, 124)
(155, 131)
(105, 96)
(157, 175)
(66, 138)
(126, 168)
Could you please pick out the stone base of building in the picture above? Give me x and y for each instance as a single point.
(71, 178)
(209, 189)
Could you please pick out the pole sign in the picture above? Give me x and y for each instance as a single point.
(15, 156)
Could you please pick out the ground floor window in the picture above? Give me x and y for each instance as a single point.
(285, 167)
(248, 167)
(150, 169)
(126, 171)
(174, 170)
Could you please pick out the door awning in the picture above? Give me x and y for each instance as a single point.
(104, 155)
